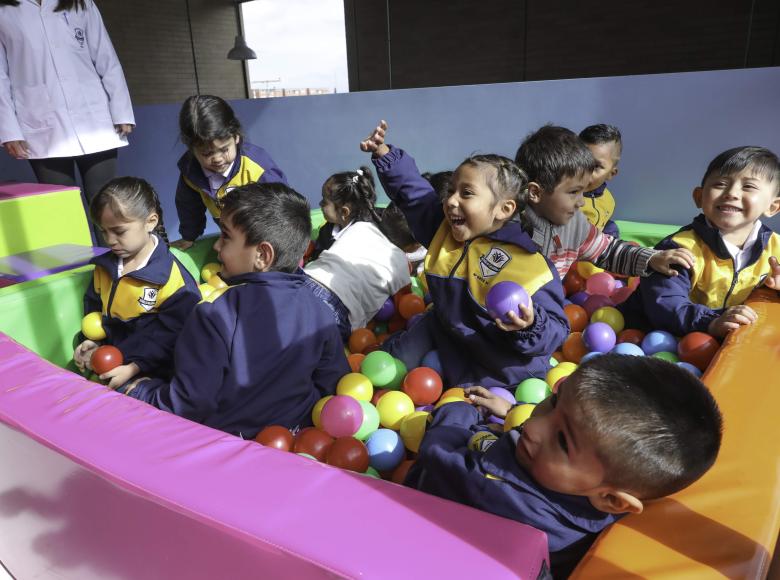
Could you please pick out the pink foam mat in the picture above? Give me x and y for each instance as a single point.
(95, 483)
(12, 189)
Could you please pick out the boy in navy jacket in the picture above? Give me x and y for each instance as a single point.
(264, 350)
(620, 431)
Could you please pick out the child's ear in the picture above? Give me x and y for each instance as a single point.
(613, 501)
(697, 193)
(345, 211)
(534, 192)
(238, 139)
(506, 209)
(774, 207)
(264, 257)
(615, 171)
(152, 221)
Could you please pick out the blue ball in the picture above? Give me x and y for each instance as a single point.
(432, 361)
(627, 348)
(659, 341)
(590, 355)
(385, 450)
(690, 368)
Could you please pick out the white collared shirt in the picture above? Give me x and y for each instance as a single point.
(217, 180)
(120, 267)
(742, 255)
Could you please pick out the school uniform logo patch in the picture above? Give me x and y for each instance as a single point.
(78, 34)
(148, 299)
(493, 262)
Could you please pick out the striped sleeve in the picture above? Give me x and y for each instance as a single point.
(615, 255)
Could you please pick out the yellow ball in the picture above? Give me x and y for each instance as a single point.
(413, 429)
(517, 416)
(455, 392)
(355, 385)
(92, 326)
(563, 369)
(317, 410)
(210, 270)
(393, 407)
(216, 282)
(610, 316)
(586, 269)
(450, 399)
(205, 290)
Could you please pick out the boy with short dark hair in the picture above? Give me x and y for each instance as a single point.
(263, 350)
(559, 167)
(733, 251)
(621, 430)
(606, 145)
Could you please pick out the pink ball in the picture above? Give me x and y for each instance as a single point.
(341, 416)
(621, 294)
(600, 284)
(595, 302)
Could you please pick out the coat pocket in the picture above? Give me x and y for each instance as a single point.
(33, 107)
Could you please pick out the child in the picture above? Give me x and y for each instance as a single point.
(362, 266)
(264, 350)
(217, 160)
(473, 243)
(143, 292)
(733, 251)
(606, 145)
(621, 431)
(559, 167)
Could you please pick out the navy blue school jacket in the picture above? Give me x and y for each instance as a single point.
(491, 480)
(262, 352)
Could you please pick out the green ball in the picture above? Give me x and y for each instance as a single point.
(666, 355)
(370, 421)
(553, 361)
(400, 373)
(371, 472)
(417, 287)
(379, 367)
(307, 456)
(532, 391)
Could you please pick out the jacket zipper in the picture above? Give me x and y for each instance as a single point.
(733, 283)
(462, 256)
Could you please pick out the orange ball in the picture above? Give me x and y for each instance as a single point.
(314, 442)
(378, 395)
(577, 315)
(698, 349)
(399, 473)
(631, 335)
(106, 358)
(574, 348)
(558, 355)
(360, 339)
(573, 282)
(354, 361)
(276, 436)
(454, 392)
(348, 453)
(409, 305)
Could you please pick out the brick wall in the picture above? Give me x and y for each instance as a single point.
(152, 39)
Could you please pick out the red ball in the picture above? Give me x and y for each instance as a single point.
(578, 318)
(348, 453)
(106, 358)
(631, 335)
(573, 282)
(378, 395)
(409, 305)
(399, 473)
(423, 385)
(313, 441)
(396, 323)
(698, 349)
(276, 436)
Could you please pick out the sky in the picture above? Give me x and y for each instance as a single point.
(300, 42)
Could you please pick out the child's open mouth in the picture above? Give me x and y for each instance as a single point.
(457, 220)
(728, 209)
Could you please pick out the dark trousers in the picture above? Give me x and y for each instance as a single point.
(95, 169)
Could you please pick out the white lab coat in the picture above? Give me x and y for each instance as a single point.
(62, 88)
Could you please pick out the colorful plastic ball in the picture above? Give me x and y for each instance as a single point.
(564, 369)
(372, 348)
(360, 339)
(698, 349)
(590, 355)
(276, 436)
(313, 442)
(595, 302)
(371, 472)
(532, 390)
(578, 318)
(379, 328)
(307, 456)
(209, 270)
(618, 285)
(386, 311)
(378, 393)
(554, 361)
(657, 341)
(517, 416)
(448, 399)
(342, 416)
(106, 358)
(667, 356)
(573, 282)
(609, 315)
(217, 282)
(601, 283)
(418, 288)
(396, 323)
(393, 407)
(628, 348)
(631, 335)
(355, 385)
(413, 429)
(579, 298)
(385, 449)
(432, 361)
(455, 392)
(355, 360)
(587, 269)
(92, 326)
(206, 290)
(316, 412)
(379, 367)
(557, 357)
(690, 368)
(370, 421)
(621, 295)
(504, 394)
(410, 304)
(400, 472)
(348, 453)
(425, 408)
(505, 297)
(398, 378)
(599, 336)
(574, 347)
(423, 385)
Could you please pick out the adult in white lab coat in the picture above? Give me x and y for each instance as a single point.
(64, 102)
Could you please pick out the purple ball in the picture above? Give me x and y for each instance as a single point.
(504, 394)
(426, 408)
(595, 302)
(690, 368)
(579, 298)
(386, 311)
(505, 297)
(599, 336)
(659, 341)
